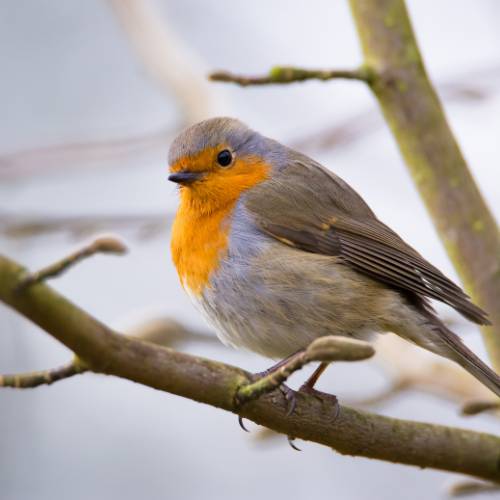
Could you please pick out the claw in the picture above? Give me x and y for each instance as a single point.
(291, 440)
(242, 423)
(291, 399)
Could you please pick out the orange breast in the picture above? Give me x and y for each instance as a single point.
(201, 228)
(199, 241)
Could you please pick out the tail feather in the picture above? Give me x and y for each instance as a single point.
(468, 360)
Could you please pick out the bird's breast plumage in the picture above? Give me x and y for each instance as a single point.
(273, 299)
(198, 244)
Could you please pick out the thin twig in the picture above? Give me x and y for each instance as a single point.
(160, 331)
(105, 244)
(290, 74)
(43, 377)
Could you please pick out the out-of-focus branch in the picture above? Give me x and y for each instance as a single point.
(73, 156)
(77, 226)
(415, 116)
(412, 369)
(470, 488)
(165, 332)
(354, 432)
(480, 406)
(290, 74)
(471, 86)
(427, 372)
(167, 59)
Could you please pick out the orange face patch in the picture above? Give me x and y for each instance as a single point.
(201, 227)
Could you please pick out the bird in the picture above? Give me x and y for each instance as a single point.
(276, 251)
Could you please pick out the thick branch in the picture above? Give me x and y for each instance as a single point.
(289, 74)
(353, 433)
(414, 113)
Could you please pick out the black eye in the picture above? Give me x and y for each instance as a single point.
(224, 158)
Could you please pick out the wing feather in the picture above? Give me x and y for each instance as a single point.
(303, 216)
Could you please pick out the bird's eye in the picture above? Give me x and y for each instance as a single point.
(224, 158)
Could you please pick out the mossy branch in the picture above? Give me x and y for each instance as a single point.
(354, 432)
(289, 74)
(416, 118)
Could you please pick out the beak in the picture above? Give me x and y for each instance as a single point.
(185, 177)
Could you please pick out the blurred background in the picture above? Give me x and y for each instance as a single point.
(91, 94)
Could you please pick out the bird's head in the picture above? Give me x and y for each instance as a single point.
(216, 160)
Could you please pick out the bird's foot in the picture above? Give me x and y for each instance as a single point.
(323, 397)
(289, 394)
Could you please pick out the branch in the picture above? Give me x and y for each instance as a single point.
(143, 225)
(479, 406)
(165, 57)
(412, 369)
(470, 86)
(44, 377)
(104, 244)
(416, 118)
(469, 488)
(354, 432)
(160, 331)
(289, 74)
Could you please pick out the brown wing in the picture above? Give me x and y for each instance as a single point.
(308, 207)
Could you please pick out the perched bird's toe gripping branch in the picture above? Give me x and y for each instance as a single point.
(324, 350)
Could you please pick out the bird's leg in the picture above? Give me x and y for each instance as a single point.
(309, 384)
(287, 392)
(308, 388)
(277, 365)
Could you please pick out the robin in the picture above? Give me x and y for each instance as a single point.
(277, 251)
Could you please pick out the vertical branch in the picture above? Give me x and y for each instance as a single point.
(416, 118)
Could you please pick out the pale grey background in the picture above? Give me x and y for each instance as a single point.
(68, 75)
